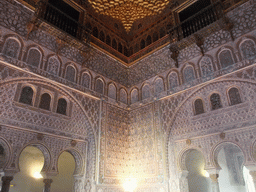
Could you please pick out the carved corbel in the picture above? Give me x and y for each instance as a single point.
(199, 40)
(175, 53)
(87, 54)
(228, 26)
(32, 26)
(60, 45)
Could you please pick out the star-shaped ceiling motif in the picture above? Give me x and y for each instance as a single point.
(128, 11)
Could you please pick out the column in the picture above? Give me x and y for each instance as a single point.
(184, 181)
(78, 183)
(47, 185)
(214, 175)
(252, 171)
(215, 182)
(6, 181)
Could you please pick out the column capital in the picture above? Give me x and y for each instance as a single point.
(7, 178)
(49, 175)
(10, 172)
(251, 167)
(212, 171)
(253, 174)
(214, 178)
(47, 181)
(183, 173)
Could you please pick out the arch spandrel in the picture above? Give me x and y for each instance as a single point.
(210, 137)
(82, 115)
(207, 90)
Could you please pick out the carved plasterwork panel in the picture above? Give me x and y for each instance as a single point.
(187, 124)
(114, 145)
(145, 156)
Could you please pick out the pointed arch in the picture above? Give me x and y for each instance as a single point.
(114, 44)
(173, 79)
(145, 91)
(45, 101)
(27, 95)
(99, 85)
(188, 73)
(126, 52)
(108, 40)
(102, 36)
(206, 66)
(142, 44)
(225, 57)
(53, 65)
(62, 106)
(134, 95)
(162, 32)
(112, 90)
(155, 36)
(120, 48)
(34, 57)
(136, 48)
(198, 106)
(215, 101)
(234, 96)
(159, 85)
(12, 47)
(248, 48)
(123, 96)
(88, 26)
(95, 32)
(148, 40)
(86, 78)
(70, 73)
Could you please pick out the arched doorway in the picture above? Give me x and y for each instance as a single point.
(198, 179)
(230, 159)
(29, 179)
(64, 181)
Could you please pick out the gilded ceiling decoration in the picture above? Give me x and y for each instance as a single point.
(128, 10)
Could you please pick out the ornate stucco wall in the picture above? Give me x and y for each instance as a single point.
(127, 122)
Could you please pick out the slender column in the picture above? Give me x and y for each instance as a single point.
(253, 174)
(47, 185)
(215, 182)
(252, 171)
(78, 184)
(184, 181)
(6, 181)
